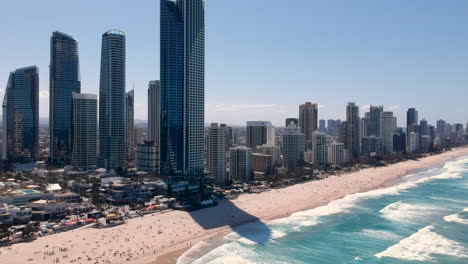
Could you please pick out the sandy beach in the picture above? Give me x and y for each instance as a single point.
(161, 238)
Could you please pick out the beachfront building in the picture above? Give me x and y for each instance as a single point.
(182, 64)
(148, 157)
(154, 111)
(21, 115)
(308, 118)
(262, 164)
(272, 150)
(399, 141)
(84, 121)
(413, 142)
(130, 124)
(112, 135)
(319, 148)
(372, 146)
(240, 167)
(374, 120)
(387, 129)
(260, 133)
(64, 80)
(336, 154)
(352, 130)
(217, 148)
(293, 148)
(425, 143)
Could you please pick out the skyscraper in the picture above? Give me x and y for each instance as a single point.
(64, 80)
(293, 148)
(84, 131)
(130, 124)
(240, 167)
(352, 137)
(154, 113)
(411, 126)
(217, 149)
(259, 133)
(319, 148)
(112, 147)
(374, 120)
(21, 115)
(182, 64)
(322, 127)
(308, 118)
(387, 128)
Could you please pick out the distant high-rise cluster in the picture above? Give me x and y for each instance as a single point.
(87, 131)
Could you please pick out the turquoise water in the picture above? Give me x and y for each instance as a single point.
(422, 220)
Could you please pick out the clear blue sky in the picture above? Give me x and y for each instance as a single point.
(265, 57)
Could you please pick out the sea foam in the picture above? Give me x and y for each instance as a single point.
(405, 212)
(422, 245)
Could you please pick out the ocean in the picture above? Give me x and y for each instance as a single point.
(424, 219)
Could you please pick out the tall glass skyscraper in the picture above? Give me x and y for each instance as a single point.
(154, 113)
(64, 80)
(84, 130)
(21, 115)
(130, 124)
(112, 147)
(182, 87)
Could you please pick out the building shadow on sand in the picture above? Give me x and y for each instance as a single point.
(227, 214)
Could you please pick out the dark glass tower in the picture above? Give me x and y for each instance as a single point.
(112, 147)
(182, 87)
(64, 80)
(21, 115)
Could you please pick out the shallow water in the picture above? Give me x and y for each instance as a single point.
(422, 220)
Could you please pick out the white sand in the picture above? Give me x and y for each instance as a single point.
(139, 242)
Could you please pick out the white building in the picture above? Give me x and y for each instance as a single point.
(217, 147)
(293, 147)
(387, 128)
(413, 142)
(319, 148)
(272, 150)
(336, 154)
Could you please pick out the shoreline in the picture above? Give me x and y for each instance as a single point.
(171, 257)
(163, 238)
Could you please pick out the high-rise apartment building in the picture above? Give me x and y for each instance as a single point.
(154, 111)
(308, 118)
(319, 148)
(64, 80)
(353, 136)
(336, 153)
(387, 129)
(260, 133)
(21, 115)
(112, 135)
(84, 121)
(240, 167)
(374, 120)
(216, 149)
(322, 126)
(182, 64)
(293, 148)
(130, 124)
(271, 150)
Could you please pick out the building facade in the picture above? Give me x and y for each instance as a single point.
(21, 115)
(387, 129)
(84, 121)
(112, 135)
(352, 130)
(154, 110)
(319, 148)
(182, 65)
(240, 167)
(130, 124)
(293, 148)
(217, 149)
(308, 118)
(260, 133)
(148, 157)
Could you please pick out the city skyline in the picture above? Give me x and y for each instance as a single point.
(437, 66)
